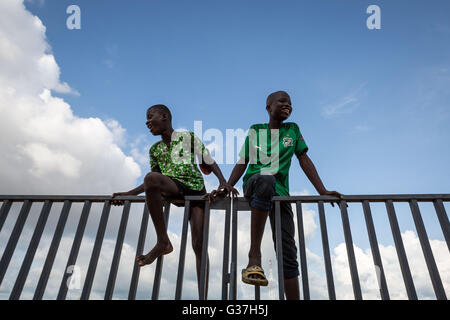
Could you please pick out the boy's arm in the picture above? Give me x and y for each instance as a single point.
(238, 171)
(310, 170)
(133, 192)
(223, 184)
(236, 174)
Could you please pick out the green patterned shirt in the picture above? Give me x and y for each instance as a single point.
(178, 160)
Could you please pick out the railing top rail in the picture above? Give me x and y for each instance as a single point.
(308, 198)
(220, 204)
(371, 198)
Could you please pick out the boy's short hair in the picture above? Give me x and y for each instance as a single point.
(272, 96)
(161, 109)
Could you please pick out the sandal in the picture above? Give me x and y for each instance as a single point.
(254, 270)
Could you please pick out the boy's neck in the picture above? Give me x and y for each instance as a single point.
(166, 135)
(275, 124)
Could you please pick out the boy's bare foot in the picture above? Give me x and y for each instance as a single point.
(156, 252)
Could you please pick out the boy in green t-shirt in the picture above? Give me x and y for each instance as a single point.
(268, 149)
(174, 174)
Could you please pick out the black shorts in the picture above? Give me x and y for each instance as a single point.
(184, 190)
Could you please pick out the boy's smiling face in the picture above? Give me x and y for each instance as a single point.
(279, 106)
(155, 121)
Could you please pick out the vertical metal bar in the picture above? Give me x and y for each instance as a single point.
(182, 250)
(204, 262)
(301, 240)
(350, 252)
(96, 251)
(443, 220)
(279, 246)
(257, 293)
(31, 251)
(117, 251)
(233, 266)
(226, 251)
(404, 266)
(6, 205)
(75, 249)
(326, 252)
(14, 238)
(160, 260)
(428, 254)
(375, 251)
(139, 250)
(43, 279)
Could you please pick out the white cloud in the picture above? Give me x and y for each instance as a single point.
(46, 148)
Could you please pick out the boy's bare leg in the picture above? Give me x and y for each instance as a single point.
(291, 289)
(196, 221)
(155, 185)
(258, 223)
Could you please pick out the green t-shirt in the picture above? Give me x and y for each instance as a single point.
(178, 161)
(271, 151)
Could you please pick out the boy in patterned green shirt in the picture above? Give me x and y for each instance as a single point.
(174, 174)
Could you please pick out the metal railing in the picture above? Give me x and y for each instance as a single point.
(229, 263)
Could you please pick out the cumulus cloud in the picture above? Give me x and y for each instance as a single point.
(46, 148)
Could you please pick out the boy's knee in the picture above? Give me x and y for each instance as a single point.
(197, 245)
(264, 187)
(266, 180)
(151, 181)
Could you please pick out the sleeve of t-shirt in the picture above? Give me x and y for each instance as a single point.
(300, 146)
(245, 149)
(199, 148)
(153, 160)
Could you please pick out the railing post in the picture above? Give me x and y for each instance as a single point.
(96, 251)
(428, 254)
(443, 220)
(204, 263)
(326, 252)
(75, 249)
(14, 238)
(279, 246)
(350, 252)
(25, 268)
(302, 248)
(181, 261)
(404, 266)
(43, 279)
(375, 251)
(234, 239)
(226, 250)
(139, 251)
(6, 205)
(117, 252)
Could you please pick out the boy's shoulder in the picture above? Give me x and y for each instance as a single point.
(155, 146)
(291, 125)
(288, 125)
(258, 126)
